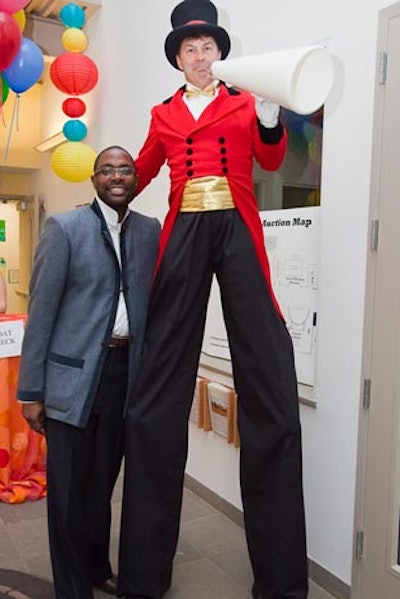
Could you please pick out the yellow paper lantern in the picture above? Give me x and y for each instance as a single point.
(74, 40)
(20, 17)
(73, 161)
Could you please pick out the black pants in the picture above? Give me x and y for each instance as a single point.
(82, 467)
(156, 433)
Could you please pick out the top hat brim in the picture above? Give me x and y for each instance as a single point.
(175, 38)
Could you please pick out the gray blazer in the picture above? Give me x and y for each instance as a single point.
(74, 292)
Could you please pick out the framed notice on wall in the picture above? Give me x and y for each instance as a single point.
(292, 241)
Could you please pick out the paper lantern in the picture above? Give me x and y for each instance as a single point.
(74, 107)
(73, 161)
(74, 40)
(72, 15)
(75, 130)
(74, 73)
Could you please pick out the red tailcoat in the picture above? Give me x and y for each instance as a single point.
(222, 142)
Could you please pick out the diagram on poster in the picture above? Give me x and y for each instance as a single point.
(291, 237)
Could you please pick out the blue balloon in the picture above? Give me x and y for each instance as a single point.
(72, 15)
(75, 130)
(26, 68)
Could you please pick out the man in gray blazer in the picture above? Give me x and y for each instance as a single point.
(89, 293)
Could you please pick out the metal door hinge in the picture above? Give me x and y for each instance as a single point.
(374, 234)
(359, 548)
(367, 394)
(383, 68)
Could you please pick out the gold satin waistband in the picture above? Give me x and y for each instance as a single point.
(206, 193)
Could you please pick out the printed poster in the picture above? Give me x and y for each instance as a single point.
(292, 241)
(11, 335)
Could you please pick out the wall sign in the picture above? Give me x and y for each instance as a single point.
(11, 335)
(292, 241)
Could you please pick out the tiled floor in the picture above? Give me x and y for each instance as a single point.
(211, 562)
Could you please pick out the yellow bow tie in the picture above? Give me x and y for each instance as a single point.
(207, 91)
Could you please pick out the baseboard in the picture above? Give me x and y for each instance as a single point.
(328, 581)
(318, 574)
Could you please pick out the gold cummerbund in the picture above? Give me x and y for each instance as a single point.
(206, 193)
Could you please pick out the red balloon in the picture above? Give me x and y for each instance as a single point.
(74, 107)
(12, 6)
(10, 39)
(74, 73)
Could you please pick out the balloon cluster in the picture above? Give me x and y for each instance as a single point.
(21, 60)
(73, 73)
(305, 133)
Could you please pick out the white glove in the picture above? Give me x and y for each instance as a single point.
(267, 112)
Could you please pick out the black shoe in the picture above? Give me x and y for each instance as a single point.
(108, 586)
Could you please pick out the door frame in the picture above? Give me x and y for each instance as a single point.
(369, 308)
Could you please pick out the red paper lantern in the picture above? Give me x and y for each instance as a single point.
(74, 73)
(74, 107)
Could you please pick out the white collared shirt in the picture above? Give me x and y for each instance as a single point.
(197, 104)
(121, 324)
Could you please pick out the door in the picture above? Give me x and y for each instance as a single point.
(26, 210)
(376, 571)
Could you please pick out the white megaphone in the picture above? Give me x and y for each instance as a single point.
(299, 79)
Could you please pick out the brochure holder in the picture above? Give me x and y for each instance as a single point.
(222, 402)
(200, 411)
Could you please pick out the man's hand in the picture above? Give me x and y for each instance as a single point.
(35, 416)
(267, 112)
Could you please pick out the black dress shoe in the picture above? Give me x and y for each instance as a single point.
(109, 586)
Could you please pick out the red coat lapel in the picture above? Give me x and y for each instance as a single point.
(177, 116)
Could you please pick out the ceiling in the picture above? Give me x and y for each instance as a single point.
(44, 26)
(50, 9)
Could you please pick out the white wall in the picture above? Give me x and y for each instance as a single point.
(127, 45)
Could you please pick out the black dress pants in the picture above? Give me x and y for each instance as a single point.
(268, 416)
(82, 467)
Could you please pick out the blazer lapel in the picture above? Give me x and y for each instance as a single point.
(104, 229)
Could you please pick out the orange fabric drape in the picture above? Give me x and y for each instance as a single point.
(22, 451)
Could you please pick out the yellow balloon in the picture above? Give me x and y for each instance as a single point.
(74, 40)
(73, 161)
(20, 17)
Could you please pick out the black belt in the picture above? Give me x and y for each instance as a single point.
(115, 342)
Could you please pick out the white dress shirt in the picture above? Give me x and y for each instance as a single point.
(197, 104)
(121, 324)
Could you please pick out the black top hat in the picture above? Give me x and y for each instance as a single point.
(195, 17)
